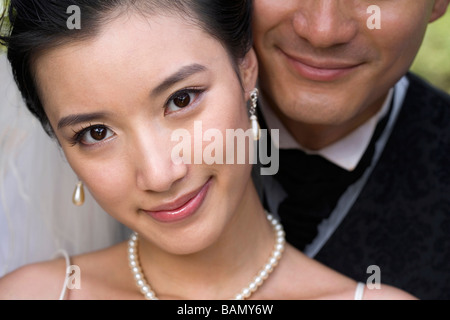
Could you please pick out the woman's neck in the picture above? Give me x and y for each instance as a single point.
(221, 270)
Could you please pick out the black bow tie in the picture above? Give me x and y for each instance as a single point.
(314, 186)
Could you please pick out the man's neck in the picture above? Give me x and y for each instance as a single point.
(318, 136)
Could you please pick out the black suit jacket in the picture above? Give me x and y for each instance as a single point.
(401, 219)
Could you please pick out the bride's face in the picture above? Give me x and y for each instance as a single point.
(117, 103)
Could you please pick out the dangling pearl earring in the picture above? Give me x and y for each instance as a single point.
(78, 194)
(253, 118)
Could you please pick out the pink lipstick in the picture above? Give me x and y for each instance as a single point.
(182, 207)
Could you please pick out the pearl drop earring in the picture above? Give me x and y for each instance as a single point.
(256, 130)
(78, 194)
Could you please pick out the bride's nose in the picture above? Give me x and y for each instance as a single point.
(155, 167)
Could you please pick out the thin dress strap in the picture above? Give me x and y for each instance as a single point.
(66, 278)
(359, 292)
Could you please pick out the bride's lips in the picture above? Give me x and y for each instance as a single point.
(324, 71)
(182, 207)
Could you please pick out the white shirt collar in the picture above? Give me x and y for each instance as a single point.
(346, 152)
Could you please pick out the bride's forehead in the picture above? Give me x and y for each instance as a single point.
(136, 46)
(123, 66)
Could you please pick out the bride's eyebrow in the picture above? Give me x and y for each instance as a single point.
(80, 118)
(181, 74)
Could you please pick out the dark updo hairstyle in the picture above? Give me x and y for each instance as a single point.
(38, 25)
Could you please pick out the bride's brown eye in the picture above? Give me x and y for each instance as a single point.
(182, 100)
(98, 133)
(94, 135)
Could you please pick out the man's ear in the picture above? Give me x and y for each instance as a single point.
(248, 69)
(439, 9)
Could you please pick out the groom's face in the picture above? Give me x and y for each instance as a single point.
(326, 61)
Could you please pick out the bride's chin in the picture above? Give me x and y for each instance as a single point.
(194, 244)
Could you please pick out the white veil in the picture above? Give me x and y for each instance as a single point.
(37, 217)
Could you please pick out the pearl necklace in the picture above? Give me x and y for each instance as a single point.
(263, 274)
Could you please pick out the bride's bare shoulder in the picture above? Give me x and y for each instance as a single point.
(302, 278)
(387, 292)
(42, 281)
(46, 280)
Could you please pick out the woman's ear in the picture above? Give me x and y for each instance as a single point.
(439, 9)
(249, 72)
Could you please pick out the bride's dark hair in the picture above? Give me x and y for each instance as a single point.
(38, 25)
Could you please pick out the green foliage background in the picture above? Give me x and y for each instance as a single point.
(433, 59)
(3, 5)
